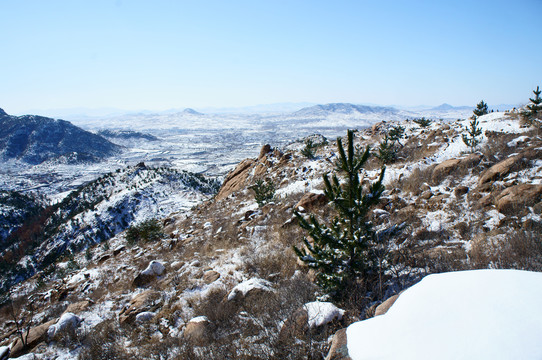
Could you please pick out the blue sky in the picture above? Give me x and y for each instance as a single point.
(162, 54)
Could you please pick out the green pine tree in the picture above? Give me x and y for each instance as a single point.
(481, 109)
(473, 132)
(309, 149)
(386, 152)
(345, 250)
(536, 104)
(423, 122)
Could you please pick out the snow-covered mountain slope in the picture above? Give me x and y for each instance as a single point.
(104, 207)
(15, 208)
(224, 282)
(35, 139)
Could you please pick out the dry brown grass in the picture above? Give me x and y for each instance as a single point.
(519, 249)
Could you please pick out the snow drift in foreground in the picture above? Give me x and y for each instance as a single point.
(480, 314)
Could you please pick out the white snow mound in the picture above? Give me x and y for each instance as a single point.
(246, 286)
(479, 314)
(321, 313)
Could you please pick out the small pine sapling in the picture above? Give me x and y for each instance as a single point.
(309, 149)
(423, 122)
(481, 109)
(386, 152)
(264, 192)
(533, 110)
(473, 132)
(343, 251)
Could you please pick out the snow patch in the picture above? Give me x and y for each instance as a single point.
(246, 286)
(478, 314)
(321, 313)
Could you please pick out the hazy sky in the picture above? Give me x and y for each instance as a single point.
(158, 54)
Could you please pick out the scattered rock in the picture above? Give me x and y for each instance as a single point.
(118, 250)
(198, 331)
(153, 270)
(248, 288)
(310, 317)
(210, 276)
(426, 195)
(68, 321)
(460, 190)
(339, 347)
(145, 301)
(144, 316)
(104, 258)
(516, 198)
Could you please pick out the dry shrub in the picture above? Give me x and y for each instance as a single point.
(519, 249)
(104, 342)
(412, 183)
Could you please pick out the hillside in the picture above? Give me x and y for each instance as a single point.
(96, 212)
(224, 282)
(35, 139)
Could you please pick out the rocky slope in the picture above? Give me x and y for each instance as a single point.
(35, 139)
(223, 282)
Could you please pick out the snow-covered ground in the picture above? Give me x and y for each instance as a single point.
(479, 314)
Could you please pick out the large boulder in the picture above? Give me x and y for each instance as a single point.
(198, 331)
(501, 169)
(516, 198)
(35, 336)
(447, 167)
(67, 322)
(236, 179)
(249, 288)
(153, 270)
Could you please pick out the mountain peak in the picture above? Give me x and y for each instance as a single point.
(191, 112)
(2, 112)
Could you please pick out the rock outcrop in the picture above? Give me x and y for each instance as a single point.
(516, 198)
(36, 335)
(145, 301)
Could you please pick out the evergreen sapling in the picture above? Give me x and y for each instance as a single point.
(345, 250)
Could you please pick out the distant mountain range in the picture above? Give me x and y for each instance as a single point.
(344, 108)
(35, 139)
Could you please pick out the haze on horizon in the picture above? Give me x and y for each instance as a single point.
(160, 55)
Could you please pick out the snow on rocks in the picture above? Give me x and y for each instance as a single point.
(144, 316)
(321, 313)
(68, 321)
(241, 290)
(155, 268)
(198, 331)
(479, 314)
